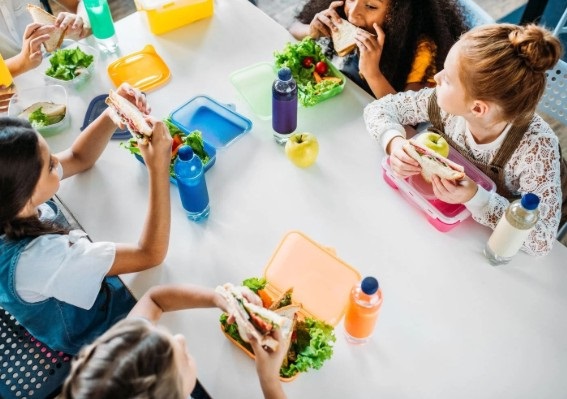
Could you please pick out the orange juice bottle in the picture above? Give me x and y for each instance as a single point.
(5, 75)
(362, 311)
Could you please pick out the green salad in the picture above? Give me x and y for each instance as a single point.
(66, 64)
(309, 68)
(311, 341)
(193, 139)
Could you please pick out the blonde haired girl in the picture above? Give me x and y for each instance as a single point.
(484, 104)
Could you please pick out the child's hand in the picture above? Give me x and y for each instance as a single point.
(401, 163)
(454, 192)
(157, 151)
(325, 21)
(370, 47)
(76, 28)
(135, 96)
(31, 56)
(268, 363)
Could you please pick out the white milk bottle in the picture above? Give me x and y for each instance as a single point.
(512, 230)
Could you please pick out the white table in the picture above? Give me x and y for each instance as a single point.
(451, 325)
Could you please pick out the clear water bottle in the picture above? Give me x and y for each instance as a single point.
(362, 311)
(190, 177)
(284, 105)
(512, 230)
(102, 24)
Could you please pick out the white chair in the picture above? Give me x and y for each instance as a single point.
(561, 25)
(554, 100)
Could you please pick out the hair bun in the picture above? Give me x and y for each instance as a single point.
(537, 46)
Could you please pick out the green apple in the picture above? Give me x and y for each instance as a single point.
(434, 142)
(302, 149)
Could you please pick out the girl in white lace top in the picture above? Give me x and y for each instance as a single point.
(484, 106)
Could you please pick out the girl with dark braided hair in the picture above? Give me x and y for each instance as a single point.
(401, 44)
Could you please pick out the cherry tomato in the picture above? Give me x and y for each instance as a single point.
(307, 62)
(321, 68)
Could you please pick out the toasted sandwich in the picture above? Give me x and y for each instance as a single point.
(253, 320)
(40, 16)
(343, 38)
(433, 164)
(132, 117)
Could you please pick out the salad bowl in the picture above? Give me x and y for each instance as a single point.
(72, 65)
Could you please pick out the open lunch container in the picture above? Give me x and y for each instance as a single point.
(166, 15)
(321, 281)
(441, 215)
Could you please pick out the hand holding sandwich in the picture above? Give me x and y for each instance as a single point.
(453, 187)
(30, 56)
(323, 23)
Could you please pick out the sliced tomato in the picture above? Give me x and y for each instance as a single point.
(260, 323)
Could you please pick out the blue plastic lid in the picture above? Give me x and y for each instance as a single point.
(185, 153)
(97, 107)
(530, 201)
(218, 123)
(284, 73)
(369, 285)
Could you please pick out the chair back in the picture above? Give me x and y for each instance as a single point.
(474, 14)
(561, 26)
(554, 99)
(28, 368)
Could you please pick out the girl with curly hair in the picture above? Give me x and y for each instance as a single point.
(401, 43)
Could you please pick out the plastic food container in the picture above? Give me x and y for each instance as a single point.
(86, 74)
(166, 15)
(219, 123)
(143, 69)
(333, 71)
(51, 93)
(321, 281)
(441, 215)
(97, 107)
(254, 83)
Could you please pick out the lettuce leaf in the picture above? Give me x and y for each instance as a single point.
(193, 139)
(255, 284)
(66, 64)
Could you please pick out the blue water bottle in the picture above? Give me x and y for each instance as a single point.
(190, 177)
(284, 105)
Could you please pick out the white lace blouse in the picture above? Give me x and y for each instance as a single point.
(534, 166)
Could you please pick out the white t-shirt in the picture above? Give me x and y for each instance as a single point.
(15, 18)
(69, 267)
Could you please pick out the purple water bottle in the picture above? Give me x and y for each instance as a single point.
(284, 105)
(190, 177)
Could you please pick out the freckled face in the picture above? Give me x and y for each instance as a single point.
(364, 13)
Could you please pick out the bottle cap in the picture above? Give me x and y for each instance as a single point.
(284, 73)
(185, 153)
(530, 201)
(369, 285)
